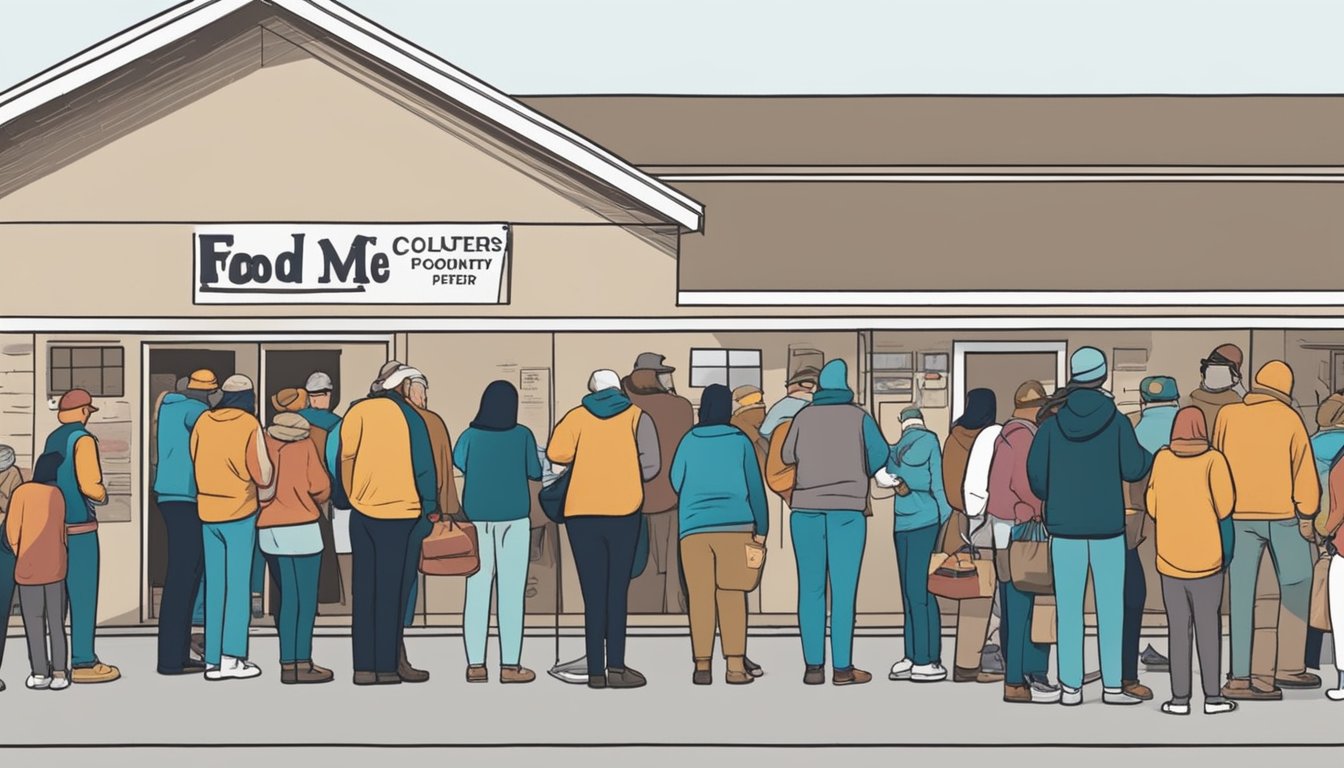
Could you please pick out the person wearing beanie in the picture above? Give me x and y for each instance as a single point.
(1220, 382)
(387, 467)
(10, 478)
(800, 385)
(611, 449)
(290, 539)
(1077, 466)
(921, 509)
(836, 448)
(1278, 494)
(35, 532)
(79, 476)
(1012, 503)
(748, 416)
(1189, 494)
(175, 497)
(234, 475)
(649, 386)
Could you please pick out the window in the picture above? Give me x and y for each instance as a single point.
(730, 367)
(893, 361)
(100, 370)
(935, 362)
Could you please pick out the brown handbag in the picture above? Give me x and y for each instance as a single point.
(1320, 594)
(450, 549)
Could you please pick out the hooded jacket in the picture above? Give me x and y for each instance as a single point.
(1189, 491)
(714, 471)
(175, 477)
(1213, 402)
(749, 420)
(917, 460)
(672, 417)
(35, 532)
(1326, 446)
(1010, 496)
(1267, 447)
(229, 455)
(956, 455)
(1078, 465)
(302, 485)
(619, 454)
(377, 463)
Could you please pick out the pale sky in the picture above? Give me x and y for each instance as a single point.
(817, 46)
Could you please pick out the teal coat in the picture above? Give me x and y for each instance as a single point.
(718, 482)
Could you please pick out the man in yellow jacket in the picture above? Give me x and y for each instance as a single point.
(611, 449)
(1278, 494)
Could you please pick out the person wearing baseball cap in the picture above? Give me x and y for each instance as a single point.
(800, 385)
(325, 432)
(1220, 382)
(79, 475)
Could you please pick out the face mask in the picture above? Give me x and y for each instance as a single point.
(1218, 377)
(803, 394)
(214, 397)
(665, 380)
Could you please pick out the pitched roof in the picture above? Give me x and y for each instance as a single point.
(373, 40)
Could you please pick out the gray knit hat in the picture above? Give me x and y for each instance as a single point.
(6, 457)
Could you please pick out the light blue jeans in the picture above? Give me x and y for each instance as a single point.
(828, 544)
(505, 550)
(229, 548)
(1071, 559)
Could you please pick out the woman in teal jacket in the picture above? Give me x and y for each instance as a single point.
(721, 514)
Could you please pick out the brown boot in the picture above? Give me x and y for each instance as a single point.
(1137, 690)
(478, 674)
(988, 677)
(516, 674)
(1297, 680)
(965, 674)
(1241, 689)
(703, 674)
(289, 673)
(308, 673)
(1016, 694)
(737, 672)
(405, 671)
(851, 676)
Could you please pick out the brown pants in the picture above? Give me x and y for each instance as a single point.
(658, 588)
(972, 630)
(706, 559)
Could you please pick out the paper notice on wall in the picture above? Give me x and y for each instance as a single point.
(534, 402)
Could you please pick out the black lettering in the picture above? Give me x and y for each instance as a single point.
(246, 268)
(399, 246)
(289, 264)
(211, 257)
(354, 260)
(496, 244)
(380, 267)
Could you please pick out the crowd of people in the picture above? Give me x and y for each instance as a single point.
(647, 477)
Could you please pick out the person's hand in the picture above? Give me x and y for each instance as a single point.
(1307, 528)
(759, 540)
(435, 517)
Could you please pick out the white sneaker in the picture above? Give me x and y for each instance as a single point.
(1335, 694)
(1178, 709)
(231, 668)
(901, 670)
(1070, 697)
(928, 673)
(1044, 693)
(1119, 696)
(1219, 707)
(60, 682)
(38, 682)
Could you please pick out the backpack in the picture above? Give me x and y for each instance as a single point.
(780, 477)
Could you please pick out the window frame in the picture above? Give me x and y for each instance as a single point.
(727, 367)
(111, 357)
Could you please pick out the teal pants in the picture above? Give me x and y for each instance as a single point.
(1071, 560)
(505, 549)
(296, 609)
(1021, 657)
(228, 587)
(923, 624)
(1292, 559)
(828, 546)
(81, 586)
(7, 563)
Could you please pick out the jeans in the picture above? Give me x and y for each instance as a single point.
(604, 555)
(1193, 606)
(43, 608)
(186, 564)
(378, 570)
(1021, 657)
(1292, 559)
(258, 580)
(81, 587)
(1136, 594)
(412, 586)
(7, 563)
(228, 587)
(828, 544)
(1071, 559)
(295, 603)
(505, 549)
(923, 623)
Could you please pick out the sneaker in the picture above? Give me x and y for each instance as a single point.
(851, 676)
(38, 682)
(59, 681)
(1154, 660)
(1042, 682)
(1172, 708)
(1044, 693)
(928, 673)
(901, 670)
(814, 675)
(1219, 707)
(1119, 696)
(1070, 697)
(231, 668)
(991, 660)
(1333, 694)
(98, 673)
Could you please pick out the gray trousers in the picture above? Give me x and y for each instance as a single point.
(1192, 608)
(44, 613)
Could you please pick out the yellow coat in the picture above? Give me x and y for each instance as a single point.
(606, 478)
(1267, 447)
(229, 454)
(376, 465)
(1187, 496)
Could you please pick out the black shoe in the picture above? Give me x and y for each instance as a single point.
(625, 678)
(189, 667)
(702, 677)
(814, 675)
(597, 682)
(753, 668)
(1154, 660)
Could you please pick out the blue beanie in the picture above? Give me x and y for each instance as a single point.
(1087, 365)
(911, 413)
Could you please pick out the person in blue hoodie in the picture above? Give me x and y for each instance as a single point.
(921, 510)
(836, 447)
(1326, 445)
(721, 512)
(175, 494)
(1083, 454)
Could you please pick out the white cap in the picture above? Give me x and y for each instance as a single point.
(318, 382)
(604, 379)
(402, 375)
(237, 383)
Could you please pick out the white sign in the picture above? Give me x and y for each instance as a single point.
(350, 263)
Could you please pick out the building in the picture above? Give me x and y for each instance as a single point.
(165, 197)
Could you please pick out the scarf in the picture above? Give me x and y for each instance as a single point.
(422, 454)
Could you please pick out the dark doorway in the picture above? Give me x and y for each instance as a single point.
(291, 368)
(1003, 372)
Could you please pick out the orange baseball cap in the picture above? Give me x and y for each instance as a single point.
(76, 399)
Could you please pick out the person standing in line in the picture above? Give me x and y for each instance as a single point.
(10, 479)
(1278, 494)
(35, 531)
(233, 476)
(749, 416)
(723, 513)
(498, 456)
(387, 467)
(973, 615)
(1333, 529)
(921, 510)
(175, 493)
(611, 448)
(325, 430)
(1326, 446)
(1011, 503)
(837, 447)
(446, 505)
(80, 480)
(1078, 465)
(1220, 382)
(1189, 493)
(800, 385)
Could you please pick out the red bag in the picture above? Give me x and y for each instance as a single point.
(450, 549)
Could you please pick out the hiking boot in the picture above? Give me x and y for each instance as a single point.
(98, 673)
(1138, 690)
(737, 673)
(1154, 660)
(477, 673)
(308, 673)
(1016, 694)
(365, 678)
(753, 668)
(1119, 696)
(851, 676)
(597, 682)
(964, 675)
(405, 671)
(1241, 689)
(1298, 680)
(814, 675)
(289, 673)
(625, 677)
(516, 674)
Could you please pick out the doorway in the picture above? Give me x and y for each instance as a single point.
(1001, 367)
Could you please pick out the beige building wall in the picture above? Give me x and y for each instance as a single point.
(16, 397)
